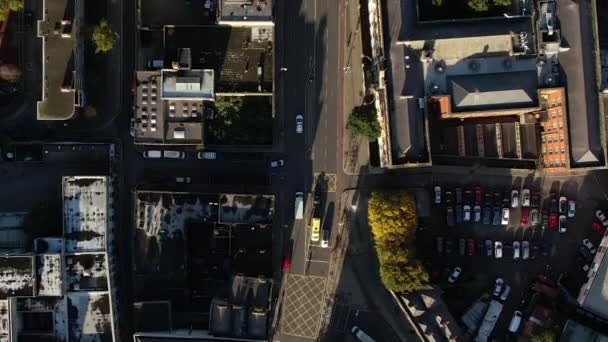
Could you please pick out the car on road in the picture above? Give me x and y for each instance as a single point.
(458, 213)
(439, 245)
(315, 229)
(208, 155)
(553, 220)
(515, 322)
(534, 217)
(153, 154)
(449, 216)
(461, 247)
(286, 261)
(470, 247)
(584, 252)
(299, 124)
(498, 284)
(498, 249)
(487, 215)
(277, 163)
(361, 335)
(525, 198)
(448, 246)
(454, 275)
(478, 195)
(601, 217)
(571, 208)
(325, 238)
(489, 248)
(525, 250)
(587, 243)
(467, 213)
(598, 228)
(505, 216)
(525, 214)
(516, 249)
(174, 154)
(437, 194)
(299, 206)
(458, 195)
(563, 223)
(132, 127)
(514, 198)
(476, 213)
(496, 217)
(563, 205)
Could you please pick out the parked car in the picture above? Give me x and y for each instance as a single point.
(514, 198)
(299, 124)
(487, 198)
(601, 217)
(186, 180)
(498, 249)
(553, 220)
(587, 243)
(286, 261)
(461, 247)
(563, 205)
(480, 248)
(454, 275)
(458, 213)
(476, 213)
(153, 154)
(467, 213)
(325, 238)
(468, 196)
(132, 127)
(525, 214)
(458, 195)
(470, 247)
(277, 163)
(478, 195)
(525, 250)
(516, 249)
(449, 243)
(545, 248)
(210, 155)
(525, 198)
(571, 208)
(553, 206)
(505, 293)
(439, 245)
(174, 154)
(489, 248)
(515, 322)
(584, 252)
(437, 194)
(598, 228)
(448, 197)
(498, 284)
(505, 216)
(449, 215)
(487, 215)
(545, 218)
(497, 198)
(534, 217)
(563, 223)
(496, 218)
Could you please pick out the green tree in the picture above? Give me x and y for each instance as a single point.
(6, 6)
(479, 5)
(503, 3)
(363, 121)
(103, 37)
(438, 3)
(544, 335)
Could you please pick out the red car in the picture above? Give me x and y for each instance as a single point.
(286, 262)
(478, 195)
(598, 228)
(470, 247)
(525, 212)
(553, 220)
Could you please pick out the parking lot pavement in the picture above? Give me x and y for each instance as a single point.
(479, 272)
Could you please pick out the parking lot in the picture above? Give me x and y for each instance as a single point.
(548, 249)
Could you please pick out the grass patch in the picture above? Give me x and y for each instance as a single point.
(241, 120)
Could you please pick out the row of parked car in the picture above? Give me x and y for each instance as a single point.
(471, 247)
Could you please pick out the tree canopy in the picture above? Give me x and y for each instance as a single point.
(103, 37)
(363, 121)
(6, 6)
(479, 5)
(503, 2)
(392, 218)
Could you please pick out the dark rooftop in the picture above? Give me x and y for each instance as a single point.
(17, 277)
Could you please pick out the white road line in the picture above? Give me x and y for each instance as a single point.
(321, 261)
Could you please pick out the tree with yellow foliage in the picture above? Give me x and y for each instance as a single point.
(392, 218)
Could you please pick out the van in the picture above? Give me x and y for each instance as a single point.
(515, 322)
(155, 64)
(361, 335)
(153, 154)
(299, 206)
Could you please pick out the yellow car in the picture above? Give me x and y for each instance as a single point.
(315, 229)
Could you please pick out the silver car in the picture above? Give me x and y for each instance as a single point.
(299, 124)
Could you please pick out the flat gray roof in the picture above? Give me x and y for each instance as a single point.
(187, 84)
(244, 12)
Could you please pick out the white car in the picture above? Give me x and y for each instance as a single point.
(466, 213)
(602, 217)
(476, 213)
(515, 321)
(516, 249)
(505, 216)
(525, 250)
(207, 155)
(525, 198)
(563, 224)
(437, 194)
(454, 275)
(498, 286)
(571, 208)
(325, 239)
(514, 199)
(299, 124)
(174, 154)
(497, 249)
(277, 163)
(587, 243)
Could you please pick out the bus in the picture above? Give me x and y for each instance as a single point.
(315, 229)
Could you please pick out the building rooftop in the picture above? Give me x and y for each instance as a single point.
(89, 317)
(17, 277)
(58, 30)
(245, 12)
(187, 84)
(86, 272)
(574, 332)
(85, 218)
(50, 275)
(593, 295)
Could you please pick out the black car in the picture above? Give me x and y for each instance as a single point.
(545, 220)
(458, 213)
(506, 198)
(448, 197)
(584, 252)
(487, 199)
(497, 218)
(458, 195)
(545, 248)
(461, 247)
(449, 216)
(480, 248)
(487, 215)
(449, 247)
(468, 196)
(497, 199)
(553, 205)
(534, 199)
